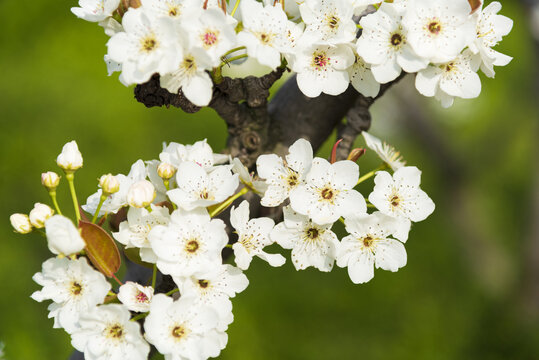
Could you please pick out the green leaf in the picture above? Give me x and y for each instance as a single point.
(101, 248)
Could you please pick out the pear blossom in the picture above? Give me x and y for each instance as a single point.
(106, 333)
(50, 180)
(322, 68)
(190, 244)
(456, 78)
(111, 27)
(169, 8)
(439, 30)
(166, 171)
(134, 232)
(291, 8)
(264, 32)
(400, 196)
(39, 214)
(62, 236)
(328, 192)
(369, 246)
(95, 10)
(135, 297)
(200, 152)
(182, 329)
(312, 244)
(21, 223)
(73, 286)
(491, 28)
(215, 290)
(197, 188)
(117, 200)
(141, 194)
(386, 152)
(384, 45)
(247, 178)
(70, 159)
(282, 176)
(109, 183)
(362, 79)
(253, 236)
(146, 46)
(328, 22)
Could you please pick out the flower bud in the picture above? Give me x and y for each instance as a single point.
(355, 154)
(109, 183)
(50, 180)
(21, 223)
(166, 171)
(62, 236)
(141, 194)
(39, 214)
(70, 159)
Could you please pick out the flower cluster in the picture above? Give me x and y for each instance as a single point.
(171, 222)
(188, 41)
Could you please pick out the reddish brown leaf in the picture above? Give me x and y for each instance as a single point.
(475, 4)
(101, 248)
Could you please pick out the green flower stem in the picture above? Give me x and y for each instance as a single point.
(101, 201)
(52, 194)
(70, 176)
(225, 204)
(228, 246)
(235, 7)
(140, 316)
(229, 60)
(371, 173)
(172, 292)
(237, 48)
(154, 275)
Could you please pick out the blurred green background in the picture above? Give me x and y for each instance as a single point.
(470, 289)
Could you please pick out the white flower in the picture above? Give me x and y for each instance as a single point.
(264, 32)
(439, 30)
(190, 244)
(39, 214)
(400, 196)
(386, 152)
(311, 244)
(247, 178)
(147, 46)
(181, 329)
(62, 236)
(328, 22)
(368, 246)
(73, 286)
(21, 223)
(141, 194)
(169, 8)
(134, 232)
(95, 10)
(109, 183)
(384, 45)
(284, 176)
(117, 200)
(210, 31)
(191, 77)
(253, 236)
(322, 68)
(458, 78)
(70, 159)
(135, 297)
(106, 333)
(200, 153)
(111, 27)
(491, 27)
(328, 192)
(197, 188)
(50, 180)
(362, 78)
(215, 290)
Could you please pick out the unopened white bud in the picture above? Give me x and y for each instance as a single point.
(50, 180)
(109, 183)
(141, 194)
(21, 223)
(166, 171)
(70, 159)
(62, 236)
(39, 214)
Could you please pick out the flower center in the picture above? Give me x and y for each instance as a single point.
(313, 233)
(434, 27)
(204, 195)
(209, 38)
(368, 241)
(320, 61)
(333, 21)
(149, 44)
(395, 201)
(179, 332)
(203, 283)
(141, 297)
(192, 246)
(173, 11)
(266, 38)
(396, 40)
(76, 288)
(449, 67)
(115, 331)
(327, 193)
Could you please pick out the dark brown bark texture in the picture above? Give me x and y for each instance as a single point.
(257, 126)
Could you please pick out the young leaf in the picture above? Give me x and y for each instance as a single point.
(101, 248)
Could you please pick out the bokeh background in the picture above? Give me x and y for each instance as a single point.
(471, 286)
